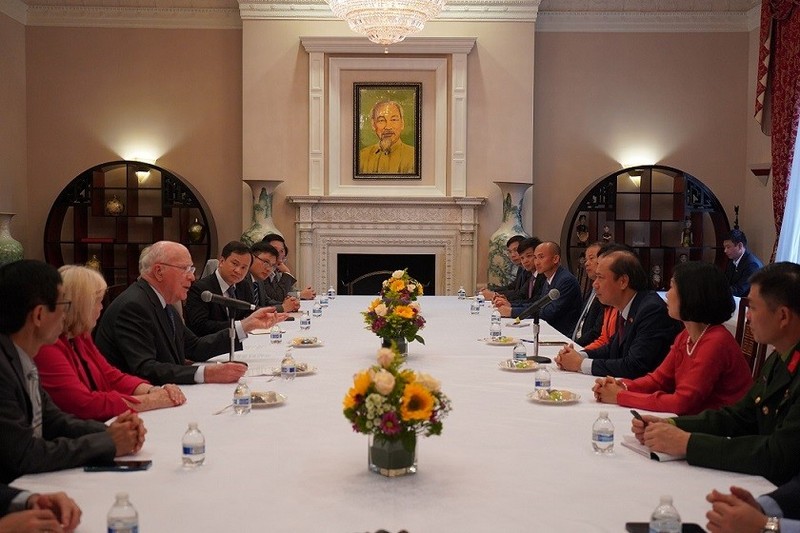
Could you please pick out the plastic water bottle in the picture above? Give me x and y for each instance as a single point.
(665, 519)
(316, 311)
(194, 447)
(331, 293)
(474, 307)
(520, 352)
(305, 321)
(123, 518)
(242, 401)
(288, 367)
(479, 298)
(494, 331)
(603, 435)
(495, 319)
(541, 378)
(462, 294)
(275, 335)
(323, 300)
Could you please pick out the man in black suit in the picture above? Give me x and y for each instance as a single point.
(521, 276)
(22, 511)
(740, 511)
(644, 331)
(205, 318)
(140, 333)
(590, 321)
(265, 260)
(530, 289)
(280, 282)
(741, 263)
(35, 435)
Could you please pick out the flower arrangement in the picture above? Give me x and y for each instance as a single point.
(396, 314)
(394, 403)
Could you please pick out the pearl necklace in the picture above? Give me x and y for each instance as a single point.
(691, 346)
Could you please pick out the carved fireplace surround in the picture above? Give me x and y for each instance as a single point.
(339, 216)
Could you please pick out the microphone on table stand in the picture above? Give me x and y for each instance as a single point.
(533, 311)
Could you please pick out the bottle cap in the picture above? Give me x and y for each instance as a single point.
(604, 414)
(666, 500)
(122, 496)
(192, 425)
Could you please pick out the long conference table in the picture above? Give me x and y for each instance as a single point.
(503, 463)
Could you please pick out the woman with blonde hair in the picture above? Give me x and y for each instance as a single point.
(74, 372)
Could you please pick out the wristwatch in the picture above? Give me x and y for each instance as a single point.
(773, 524)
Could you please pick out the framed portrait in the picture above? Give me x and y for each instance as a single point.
(386, 130)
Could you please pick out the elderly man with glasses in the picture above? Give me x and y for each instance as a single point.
(141, 334)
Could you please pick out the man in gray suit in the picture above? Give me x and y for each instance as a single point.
(35, 435)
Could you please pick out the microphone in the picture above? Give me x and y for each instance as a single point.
(540, 304)
(233, 303)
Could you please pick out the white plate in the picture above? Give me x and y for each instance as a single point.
(510, 365)
(266, 399)
(296, 342)
(263, 331)
(569, 397)
(309, 370)
(503, 341)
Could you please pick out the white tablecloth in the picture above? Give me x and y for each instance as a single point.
(501, 464)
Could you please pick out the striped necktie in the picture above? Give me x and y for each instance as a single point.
(256, 294)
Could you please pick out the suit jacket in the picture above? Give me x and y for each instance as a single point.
(649, 333)
(562, 313)
(205, 318)
(592, 324)
(518, 288)
(263, 298)
(787, 496)
(278, 289)
(135, 336)
(759, 434)
(66, 442)
(739, 276)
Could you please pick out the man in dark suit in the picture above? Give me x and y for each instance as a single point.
(741, 263)
(140, 333)
(35, 435)
(760, 434)
(204, 318)
(22, 511)
(527, 292)
(280, 282)
(265, 260)
(644, 331)
(521, 275)
(590, 321)
(740, 511)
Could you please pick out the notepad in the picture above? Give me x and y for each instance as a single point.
(630, 442)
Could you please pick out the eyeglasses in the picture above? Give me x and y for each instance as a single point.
(187, 269)
(268, 263)
(66, 303)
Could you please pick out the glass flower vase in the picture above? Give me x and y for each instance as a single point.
(390, 458)
(401, 342)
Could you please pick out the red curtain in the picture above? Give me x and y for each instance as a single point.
(778, 92)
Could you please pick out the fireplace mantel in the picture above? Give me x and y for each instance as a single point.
(444, 226)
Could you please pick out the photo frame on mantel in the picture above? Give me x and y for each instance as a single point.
(387, 126)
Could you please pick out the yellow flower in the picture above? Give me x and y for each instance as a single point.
(404, 311)
(361, 383)
(374, 304)
(417, 403)
(349, 401)
(397, 285)
(408, 375)
(419, 289)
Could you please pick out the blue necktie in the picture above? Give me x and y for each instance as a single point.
(171, 316)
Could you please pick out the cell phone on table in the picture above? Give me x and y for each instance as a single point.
(542, 360)
(119, 466)
(644, 527)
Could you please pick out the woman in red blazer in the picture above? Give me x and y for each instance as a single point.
(705, 368)
(74, 372)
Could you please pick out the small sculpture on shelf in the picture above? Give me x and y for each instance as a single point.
(607, 236)
(683, 258)
(196, 232)
(655, 278)
(93, 263)
(686, 235)
(736, 217)
(582, 231)
(115, 207)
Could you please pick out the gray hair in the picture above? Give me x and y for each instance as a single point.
(155, 253)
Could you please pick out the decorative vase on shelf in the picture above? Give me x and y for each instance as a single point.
(392, 458)
(196, 232)
(10, 248)
(115, 207)
(501, 269)
(402, 345)
(94, 263)
(262, 223)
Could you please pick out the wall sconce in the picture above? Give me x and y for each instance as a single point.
(762, 172)
(635, 176)
(142, 174)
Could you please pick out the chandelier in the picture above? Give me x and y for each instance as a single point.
(386, 21)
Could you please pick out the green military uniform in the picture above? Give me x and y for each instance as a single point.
(398, 159)
(760, 434)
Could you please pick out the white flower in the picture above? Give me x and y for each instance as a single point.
(385, 357)
(397, 274)
(380, 309)
(384, 382)
(428, 381)
(411, 287)
(415, 306)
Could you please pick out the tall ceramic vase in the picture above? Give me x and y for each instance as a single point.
(501, 269)
(262, 223)
(10, 248)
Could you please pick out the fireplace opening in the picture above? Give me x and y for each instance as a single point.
(363, 274)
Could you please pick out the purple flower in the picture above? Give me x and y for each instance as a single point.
(390, 424)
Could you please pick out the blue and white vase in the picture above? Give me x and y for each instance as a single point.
(262, 223)
(501, 269)
(10, 248)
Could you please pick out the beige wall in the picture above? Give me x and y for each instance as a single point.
(13, 190)
(601, 98)
(97, 95)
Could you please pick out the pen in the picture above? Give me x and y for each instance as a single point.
(636, 415)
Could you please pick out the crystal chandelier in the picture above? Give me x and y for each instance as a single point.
(386, 21)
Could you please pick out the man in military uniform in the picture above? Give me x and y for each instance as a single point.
(760, 434)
